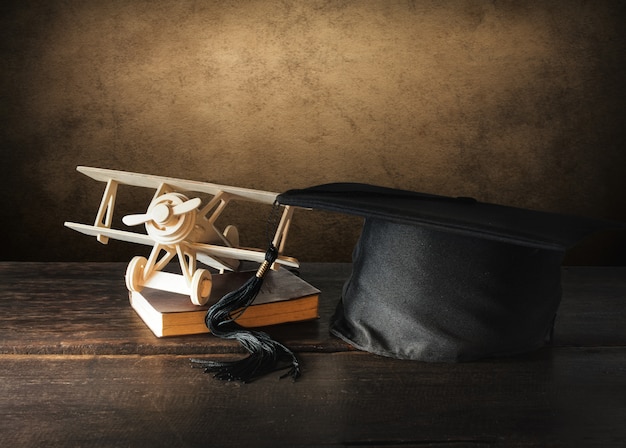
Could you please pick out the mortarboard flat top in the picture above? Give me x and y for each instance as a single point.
(458, 215)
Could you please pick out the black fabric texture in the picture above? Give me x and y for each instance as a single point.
(447, 279)
(415, 293)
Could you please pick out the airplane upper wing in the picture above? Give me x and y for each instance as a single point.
(151, 181)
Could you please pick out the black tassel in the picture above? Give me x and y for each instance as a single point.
(265, 354)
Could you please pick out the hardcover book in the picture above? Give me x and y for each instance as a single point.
(284, 297)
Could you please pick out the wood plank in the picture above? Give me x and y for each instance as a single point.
(78, 368)
(83, 308)
(554, 397)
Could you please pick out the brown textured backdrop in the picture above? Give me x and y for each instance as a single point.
(514, 102)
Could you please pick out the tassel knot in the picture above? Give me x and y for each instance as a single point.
(270, 257)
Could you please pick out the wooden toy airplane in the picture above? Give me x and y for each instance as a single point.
(178, 225)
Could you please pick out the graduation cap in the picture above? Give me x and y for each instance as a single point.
(446, 279)
(434, 278)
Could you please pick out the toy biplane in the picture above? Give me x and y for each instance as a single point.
(178, 224)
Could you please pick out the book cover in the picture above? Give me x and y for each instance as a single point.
(284, 297)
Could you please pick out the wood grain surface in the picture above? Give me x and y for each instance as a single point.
(77, 368)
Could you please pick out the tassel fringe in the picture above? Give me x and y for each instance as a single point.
(265, 354)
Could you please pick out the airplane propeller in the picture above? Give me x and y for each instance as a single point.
(162, 212)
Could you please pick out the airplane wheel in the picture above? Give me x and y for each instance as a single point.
(201, 283)
(134, 273)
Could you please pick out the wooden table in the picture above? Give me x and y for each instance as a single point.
(79, 368)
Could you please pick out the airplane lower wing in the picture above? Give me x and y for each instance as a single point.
(122, 235)
(216, 262)
(243, 254)
(209, 254)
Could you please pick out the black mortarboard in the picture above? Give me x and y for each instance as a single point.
(447, 279)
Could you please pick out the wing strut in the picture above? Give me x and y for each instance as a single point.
(104, 218)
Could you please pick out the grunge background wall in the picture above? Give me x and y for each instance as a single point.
(514, 102)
